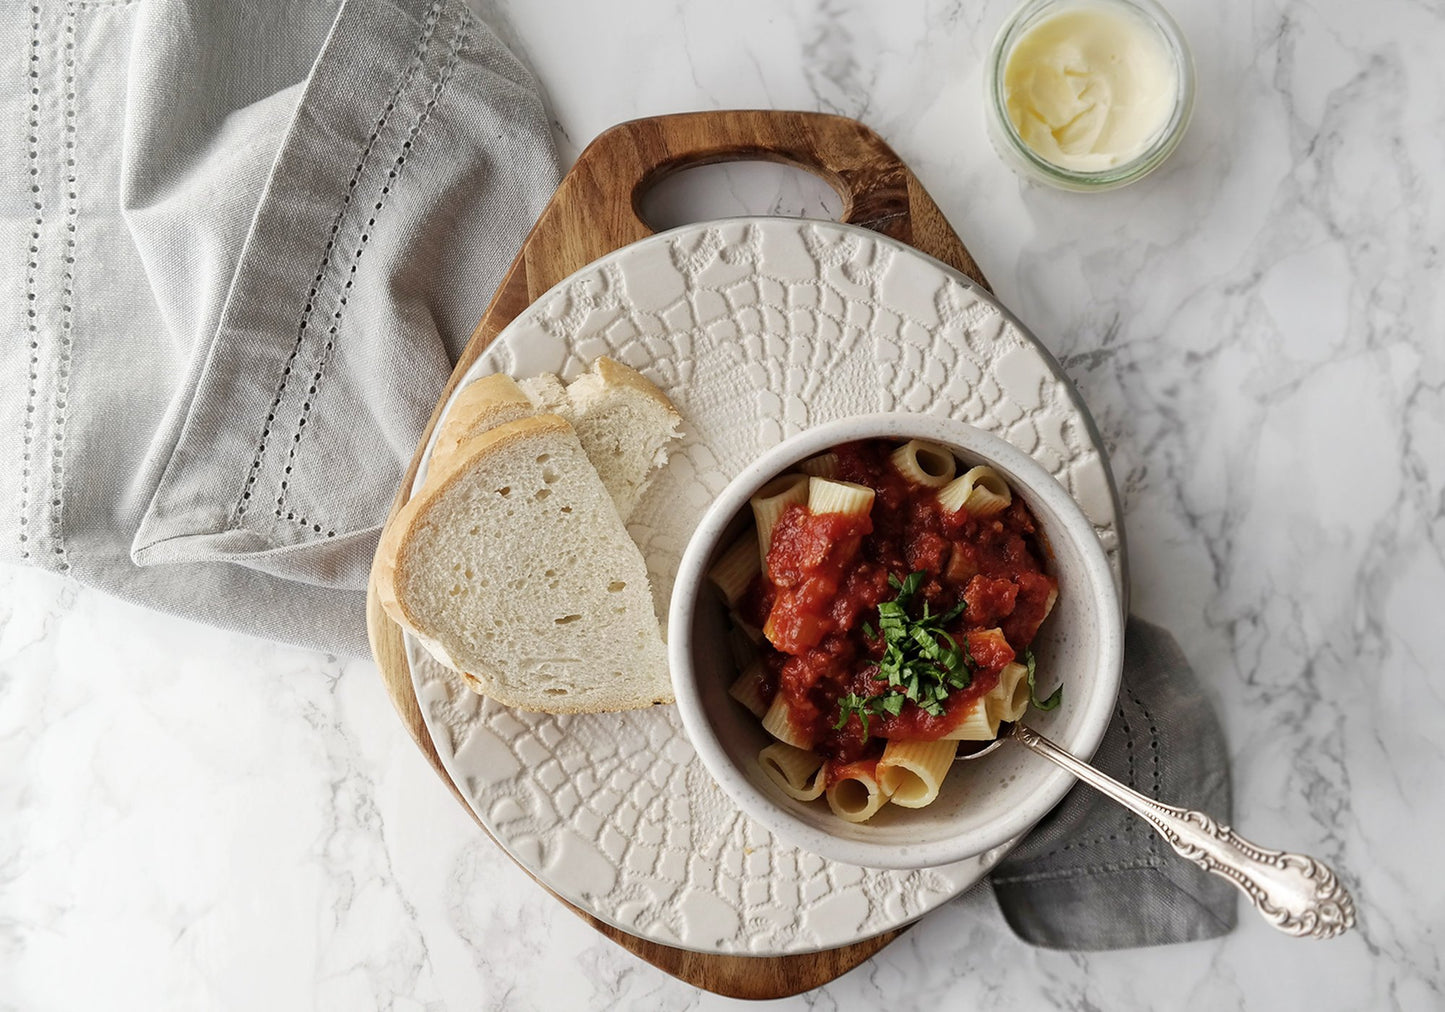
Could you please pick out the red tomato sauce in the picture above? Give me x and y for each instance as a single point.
(827, 573)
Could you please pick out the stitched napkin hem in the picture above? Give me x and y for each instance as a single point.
(353, 294)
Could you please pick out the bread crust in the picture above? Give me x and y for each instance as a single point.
(390, 572)
(390, 553)
(496, 388)
(482, 404)
(613, 373)
(497, 399)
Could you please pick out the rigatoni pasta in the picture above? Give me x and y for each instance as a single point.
(926, 464)
(770, 502)
(778, 722)
(736, 569)
(825, 495)
(974, 724)
(892, 601)
(749, 689)
(980, 492)
(855, 794)
(911, 771)
(824, 465)
(1008, 700)
(742, 644)
(796, 771)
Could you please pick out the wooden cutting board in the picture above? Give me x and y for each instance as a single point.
(595, 211)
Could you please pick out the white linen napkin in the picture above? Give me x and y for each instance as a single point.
(241, 246)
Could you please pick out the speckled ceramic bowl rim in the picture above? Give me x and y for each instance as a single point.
(1103, 677)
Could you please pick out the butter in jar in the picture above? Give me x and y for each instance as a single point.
(1089, 94)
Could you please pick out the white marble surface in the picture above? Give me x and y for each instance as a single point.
(192, 820)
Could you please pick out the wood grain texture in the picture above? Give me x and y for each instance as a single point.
(595, 211)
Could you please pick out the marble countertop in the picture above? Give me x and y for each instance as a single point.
(196, 820)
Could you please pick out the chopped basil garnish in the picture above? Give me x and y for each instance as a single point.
(1042, 704)
(921, 661)
(866, 706)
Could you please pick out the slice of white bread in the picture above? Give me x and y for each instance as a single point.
(626, 424)
(623, 420)
(482, 404)
(547, 392)
(515, 568)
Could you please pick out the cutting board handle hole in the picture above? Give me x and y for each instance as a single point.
(730, 189)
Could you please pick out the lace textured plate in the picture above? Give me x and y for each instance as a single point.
(756, 328)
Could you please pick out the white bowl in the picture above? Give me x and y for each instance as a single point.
(985, 803)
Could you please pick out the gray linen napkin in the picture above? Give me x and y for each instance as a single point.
(240, 246)
(1093, 876)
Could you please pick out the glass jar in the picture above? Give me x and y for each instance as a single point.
(1016, 152)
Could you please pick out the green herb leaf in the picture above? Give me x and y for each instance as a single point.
(1043, 704)
(912, 582)
(848, 705)
(921, 663)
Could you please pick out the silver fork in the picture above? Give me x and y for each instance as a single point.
(1298, 894)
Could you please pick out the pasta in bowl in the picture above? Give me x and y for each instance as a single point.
(867, 600)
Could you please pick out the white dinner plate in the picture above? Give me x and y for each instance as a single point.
(756, 328)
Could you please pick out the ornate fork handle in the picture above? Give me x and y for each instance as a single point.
(1296, 893)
